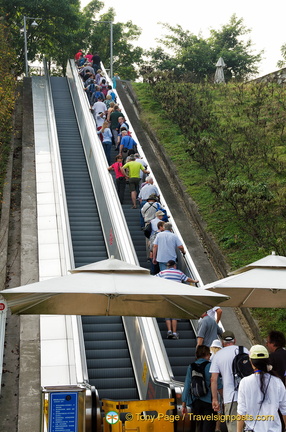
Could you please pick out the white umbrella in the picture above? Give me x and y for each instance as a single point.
(219, 75)
(111, 287)
(257, 287)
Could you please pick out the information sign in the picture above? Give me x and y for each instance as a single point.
(63, 412)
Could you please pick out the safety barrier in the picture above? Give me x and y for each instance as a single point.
(140, 416)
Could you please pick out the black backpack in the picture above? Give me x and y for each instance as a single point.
(198, 385)
(147, 230)
(241, 367)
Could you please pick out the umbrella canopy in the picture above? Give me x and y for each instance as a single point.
(219, 75)
(111, 287)
(257, 287)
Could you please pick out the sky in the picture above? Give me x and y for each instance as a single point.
(266, 21)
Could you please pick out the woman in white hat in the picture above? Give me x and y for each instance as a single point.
(215, 347)
(260, 396)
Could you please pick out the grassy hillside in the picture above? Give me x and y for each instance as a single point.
(229, 147)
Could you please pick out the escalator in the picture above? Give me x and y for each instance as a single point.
(108, 358)
(181, 352)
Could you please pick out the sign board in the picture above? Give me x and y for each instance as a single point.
(2, 306)
(63, 412)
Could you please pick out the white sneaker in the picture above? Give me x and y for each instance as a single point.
(169, 334)
(175, 336)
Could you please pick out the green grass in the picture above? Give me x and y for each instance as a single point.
(235, 243)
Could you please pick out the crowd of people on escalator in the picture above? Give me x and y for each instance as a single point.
(129, 167)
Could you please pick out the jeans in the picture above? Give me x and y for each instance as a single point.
(107, 151)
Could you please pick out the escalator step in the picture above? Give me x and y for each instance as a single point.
(111, 383)
(100, 336)
(97, 319)
(112, 363)
(95, 354)
(105, 372)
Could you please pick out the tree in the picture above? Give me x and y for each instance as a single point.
(60, 32)
(228, 43)
(196, 57)
(7, 97)
(126, 56)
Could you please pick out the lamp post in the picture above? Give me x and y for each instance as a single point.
(34, 24)
(111, 45)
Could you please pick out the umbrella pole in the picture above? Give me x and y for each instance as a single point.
(247, 297)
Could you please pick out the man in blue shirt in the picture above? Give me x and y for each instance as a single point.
(165, 247)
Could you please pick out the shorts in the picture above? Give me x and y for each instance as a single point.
(177, 319)
(133, 183)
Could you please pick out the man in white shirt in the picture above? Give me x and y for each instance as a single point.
(98, 107)
(148, 189)
(222, 365)
(215, 313)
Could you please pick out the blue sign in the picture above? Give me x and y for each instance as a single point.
(63, 412)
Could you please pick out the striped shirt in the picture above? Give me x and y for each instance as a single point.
(173, 274)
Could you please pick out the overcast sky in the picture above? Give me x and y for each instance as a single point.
(266, 21)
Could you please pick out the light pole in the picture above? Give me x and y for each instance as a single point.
(34, 24)
(111, 45)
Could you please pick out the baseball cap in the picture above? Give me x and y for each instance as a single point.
(258, 352)
(216, 344)
(227, 336)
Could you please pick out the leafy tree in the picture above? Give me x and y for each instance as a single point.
(60, 31)
(196, 57)
(7, 97)
(236, 134)
(228, 44)
(126, 56)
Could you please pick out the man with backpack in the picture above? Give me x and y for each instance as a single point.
(197, 393)
(232, 363)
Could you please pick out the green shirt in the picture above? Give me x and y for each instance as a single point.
(114, 119)
(134, 168)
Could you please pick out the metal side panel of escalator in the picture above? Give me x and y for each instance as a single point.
(104, 337)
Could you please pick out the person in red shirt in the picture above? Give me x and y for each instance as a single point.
(77, 55)
(120, 178)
